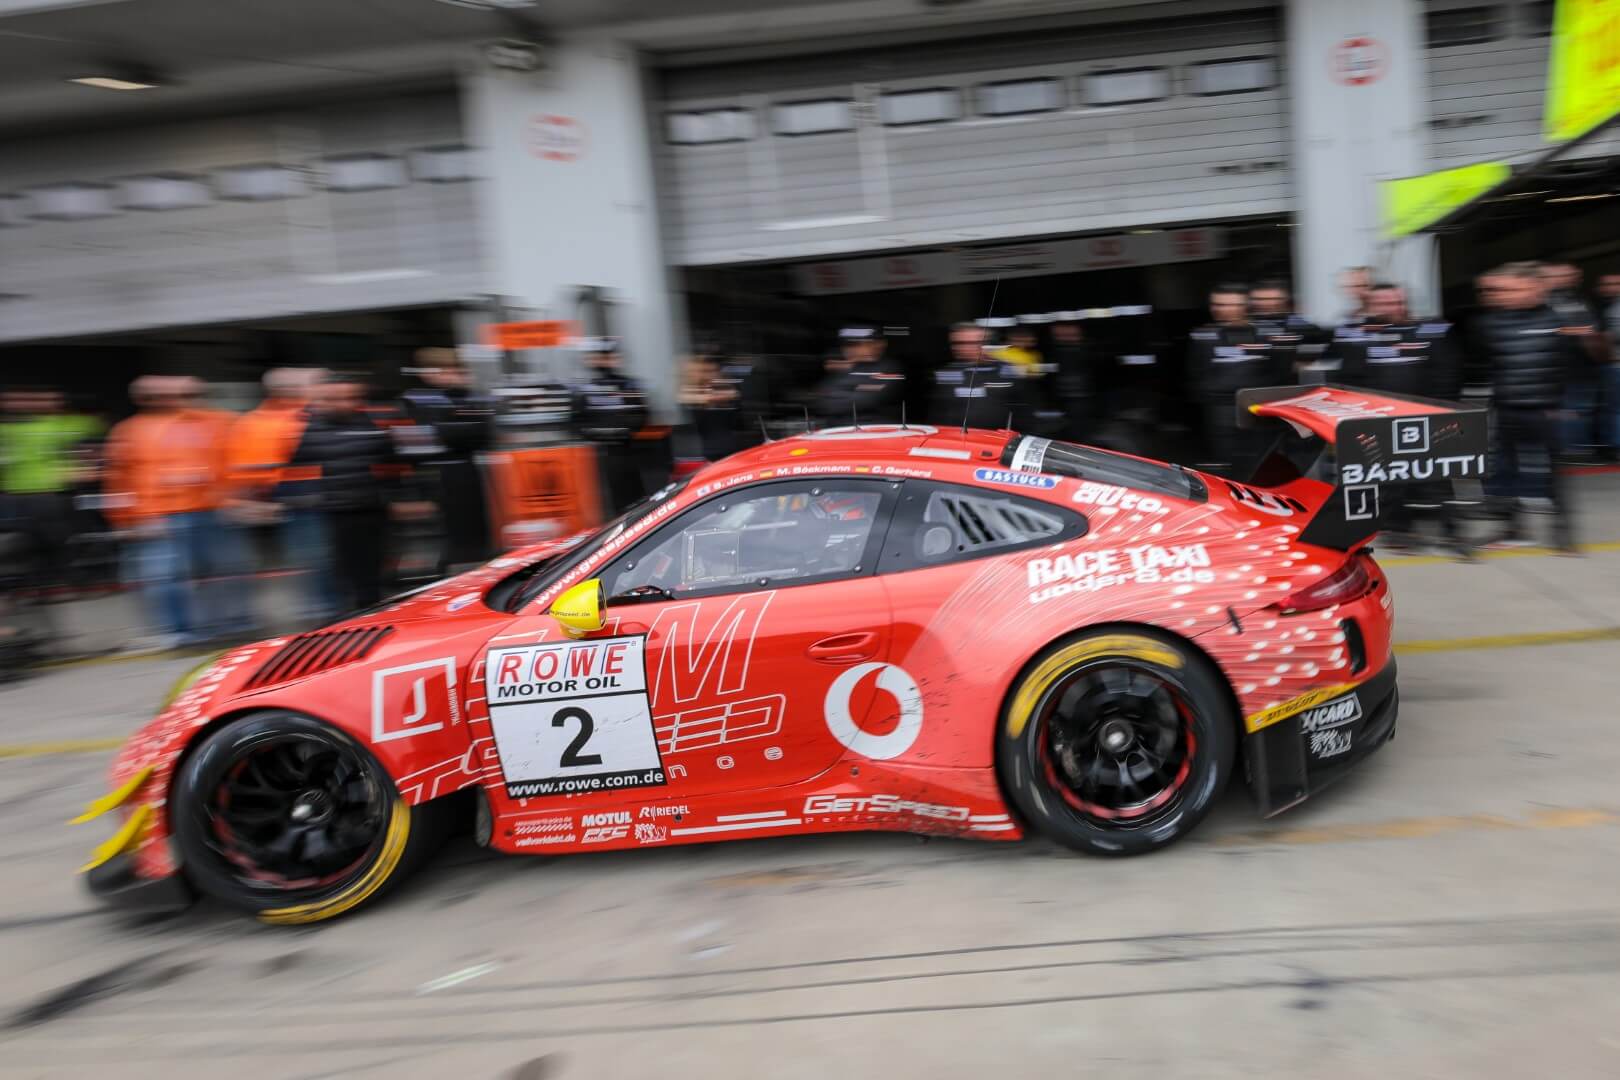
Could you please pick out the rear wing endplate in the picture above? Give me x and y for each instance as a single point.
(1378, 439)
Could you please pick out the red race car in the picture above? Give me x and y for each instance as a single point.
(968, 633)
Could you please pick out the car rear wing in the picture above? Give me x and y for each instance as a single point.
(1360, 442)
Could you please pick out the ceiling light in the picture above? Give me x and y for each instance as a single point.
(111, 82)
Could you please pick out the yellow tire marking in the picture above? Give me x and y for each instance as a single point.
(399, 830)
(114, 799)
(1053, 667)
(1419, 827)
(1509, 641)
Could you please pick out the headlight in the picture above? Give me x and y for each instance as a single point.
(188, 680)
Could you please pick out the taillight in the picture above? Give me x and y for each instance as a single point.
(1348, 582)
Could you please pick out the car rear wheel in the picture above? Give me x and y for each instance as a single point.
(279, 814)
(1116, 742)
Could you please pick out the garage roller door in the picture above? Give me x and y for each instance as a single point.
(1116, 124)
(344, 207)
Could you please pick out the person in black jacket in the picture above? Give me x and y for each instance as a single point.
(457, 424)
(1226, 356)
(973, 384)
(1295, 340)
(609, 408)
(1533, 356)
(347, 468)
(863, 384)
(1079, 377)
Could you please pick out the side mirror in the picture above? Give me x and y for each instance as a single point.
(579, 608)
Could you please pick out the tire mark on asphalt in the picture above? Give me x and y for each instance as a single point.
(1311, 984)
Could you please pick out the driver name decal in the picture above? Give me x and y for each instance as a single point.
(573, 716)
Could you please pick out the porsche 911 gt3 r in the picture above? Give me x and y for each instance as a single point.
(969, 633)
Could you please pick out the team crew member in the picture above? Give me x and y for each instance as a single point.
(862, 384)
(1396, 353)
(973, 385)
(1295, 340)
(1563, 284)
(1226, 356)
(609, 408)
(1079, 376)
(1533, 355)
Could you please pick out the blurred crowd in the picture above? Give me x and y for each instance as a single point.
(353, 495)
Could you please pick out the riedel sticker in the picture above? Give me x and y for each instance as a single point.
(573, 716)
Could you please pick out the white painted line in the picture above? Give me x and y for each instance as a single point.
(740, 825)
(993, 828)
(456, 978)
(750, 817)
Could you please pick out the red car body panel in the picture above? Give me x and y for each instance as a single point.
(866, 703)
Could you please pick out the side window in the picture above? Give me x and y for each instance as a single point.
(941, 523)
(757, 537)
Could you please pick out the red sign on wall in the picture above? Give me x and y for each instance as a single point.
(556, 138)
(1358, 61)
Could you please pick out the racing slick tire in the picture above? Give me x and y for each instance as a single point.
(1116, 742)
(284, 816)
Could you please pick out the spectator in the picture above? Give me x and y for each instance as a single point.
(712, 396)
(1533, 354)
(166, 478)
(262, 444)
(1608, 408)
(973, 388)
(39, 466)
(609, 408)
(459, 425)
(1354, 281)
(346, 467)
(1228, 355)
(862, 384)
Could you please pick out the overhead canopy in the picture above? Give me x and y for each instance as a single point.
(1413, 203)
(1583, 73)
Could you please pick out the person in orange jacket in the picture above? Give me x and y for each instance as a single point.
(166, 479)
(267, 492)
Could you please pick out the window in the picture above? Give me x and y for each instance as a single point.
(814, 117)
(1461, 26)
(1237, 76)
(904, 107)
(709, 126)
(1127, 87)
(258, 183)
(164, 191)
(444, 164)
(766, 535)
(364, 172)
(71, 202)
(942, 523)
(1538, 18)
(1030, 454)
(1019, 96)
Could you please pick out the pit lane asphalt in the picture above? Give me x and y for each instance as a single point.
(1449, 910)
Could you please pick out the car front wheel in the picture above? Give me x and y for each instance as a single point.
(1116, 742)
(294, 820)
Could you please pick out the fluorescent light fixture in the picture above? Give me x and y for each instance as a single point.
(112, 82)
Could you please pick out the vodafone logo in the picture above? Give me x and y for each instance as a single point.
(891, 679)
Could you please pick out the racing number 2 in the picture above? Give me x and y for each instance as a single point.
(571, 756)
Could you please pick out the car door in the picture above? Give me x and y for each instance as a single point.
(750, 616)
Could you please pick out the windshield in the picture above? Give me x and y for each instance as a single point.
(543, 574)
(1088, 463)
